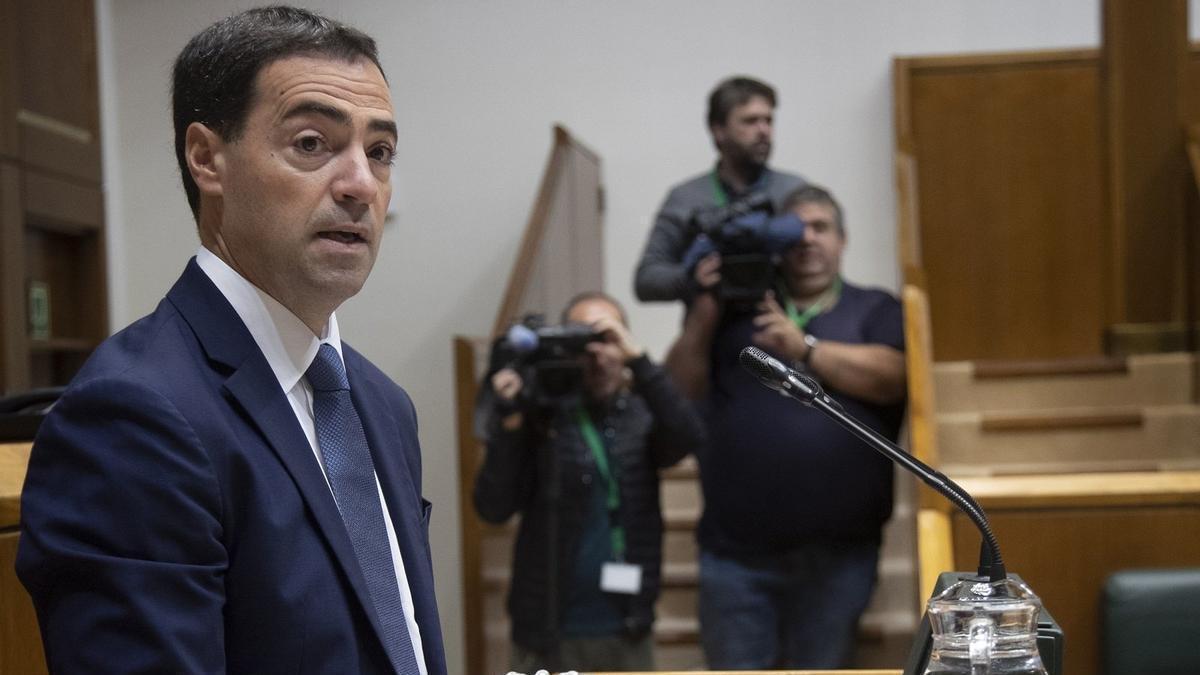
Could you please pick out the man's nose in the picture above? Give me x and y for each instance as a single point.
(355, 182)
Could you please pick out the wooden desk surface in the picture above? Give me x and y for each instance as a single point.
(1085, 489)
(760, 673)
(14, 459)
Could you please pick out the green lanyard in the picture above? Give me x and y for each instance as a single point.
(613, 502)
(829, 299)
(719, 196)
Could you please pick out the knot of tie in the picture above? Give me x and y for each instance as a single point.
(327, 372)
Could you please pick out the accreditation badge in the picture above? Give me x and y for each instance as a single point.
(620, 577)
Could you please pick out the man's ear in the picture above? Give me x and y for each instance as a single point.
(717, 131)
(204, 151)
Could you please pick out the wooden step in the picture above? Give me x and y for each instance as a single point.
(681, 495)
(1140, 338)
(678, 602)
(681, 519)
(1098, 365)
(1151, 379)
(686, 469)
(1062, 420)
(679, 546)
(678, 657)
(1070, 440)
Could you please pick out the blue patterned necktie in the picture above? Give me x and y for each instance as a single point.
(351, 474)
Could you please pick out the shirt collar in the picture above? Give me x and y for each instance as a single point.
(287, 343)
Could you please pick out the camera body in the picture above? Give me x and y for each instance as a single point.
(546, 358)
(750, 237)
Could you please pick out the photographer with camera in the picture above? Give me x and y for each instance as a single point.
(741, 122)
(581, 467)
(794, 505)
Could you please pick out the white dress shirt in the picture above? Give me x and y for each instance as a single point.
(290, 347)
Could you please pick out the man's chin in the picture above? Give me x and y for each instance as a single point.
(340, 284)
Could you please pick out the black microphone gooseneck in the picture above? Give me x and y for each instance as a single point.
(775, 375)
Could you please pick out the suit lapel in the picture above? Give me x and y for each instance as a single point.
(252, 384)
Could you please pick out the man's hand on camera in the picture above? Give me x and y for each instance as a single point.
(507, 384)
(616, 335)
(775, 331)
(708, 271)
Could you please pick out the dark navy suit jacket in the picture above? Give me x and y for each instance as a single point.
(174, 518)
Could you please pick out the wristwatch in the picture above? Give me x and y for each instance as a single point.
(811, 341)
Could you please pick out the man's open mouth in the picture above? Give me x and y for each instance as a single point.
(343, 237)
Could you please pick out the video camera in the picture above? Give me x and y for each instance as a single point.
(546, 357)
(749, 237)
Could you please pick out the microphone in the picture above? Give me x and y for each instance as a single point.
(522, 338)
(774, 374)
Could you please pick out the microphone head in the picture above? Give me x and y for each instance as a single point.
(762, 365)
(522, 338)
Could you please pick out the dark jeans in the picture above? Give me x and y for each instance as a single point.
(792, 610)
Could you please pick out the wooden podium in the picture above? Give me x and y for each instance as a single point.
(20, 640)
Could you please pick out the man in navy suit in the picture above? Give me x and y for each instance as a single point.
(226, 486)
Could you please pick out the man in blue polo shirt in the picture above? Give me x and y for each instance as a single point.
(793, 504)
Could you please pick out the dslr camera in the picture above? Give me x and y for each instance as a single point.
(749, 237)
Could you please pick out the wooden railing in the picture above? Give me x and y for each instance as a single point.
(1192, 253)
(933, 511)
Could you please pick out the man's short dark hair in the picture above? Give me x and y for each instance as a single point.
(588, 296)
(213, 78)
(731, 93)
(815, 194)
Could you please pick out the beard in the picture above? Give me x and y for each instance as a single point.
(748, 159)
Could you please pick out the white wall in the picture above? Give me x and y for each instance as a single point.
(477, 86)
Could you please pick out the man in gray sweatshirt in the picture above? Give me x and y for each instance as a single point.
(741, 120)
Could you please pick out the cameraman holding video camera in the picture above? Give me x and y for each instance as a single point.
(794, 504)
(741, 121)
(581, 467)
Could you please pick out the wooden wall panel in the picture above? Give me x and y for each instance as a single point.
(467, 370)
(14, 347)
(1143, 69)
(1191, 87)
(59, 104)
(20, 641)
(8, 78)
(587, 207)
(1067, 554)
(561, 250)
(1012, 231)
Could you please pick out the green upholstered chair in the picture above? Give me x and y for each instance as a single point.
(1152, 622)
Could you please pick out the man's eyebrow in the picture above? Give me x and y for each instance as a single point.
(383, 125)
(338, 116)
